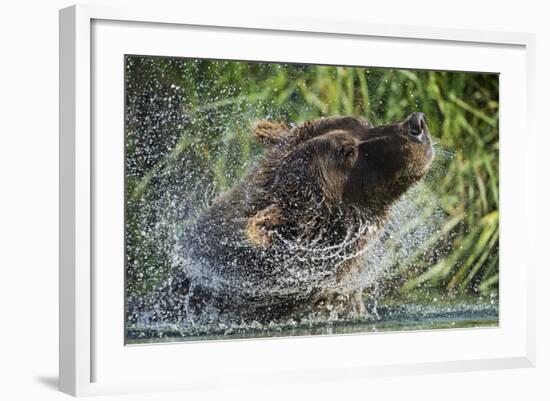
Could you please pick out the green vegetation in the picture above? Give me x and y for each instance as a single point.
(192, 118)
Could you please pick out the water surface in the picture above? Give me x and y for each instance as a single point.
(457, 314)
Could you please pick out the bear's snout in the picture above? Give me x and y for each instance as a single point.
(416, 125)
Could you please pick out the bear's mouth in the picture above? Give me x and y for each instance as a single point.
(430, 154)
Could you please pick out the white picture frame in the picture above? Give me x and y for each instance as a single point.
(93, 359)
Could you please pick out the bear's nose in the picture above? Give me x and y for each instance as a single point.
(416, 123)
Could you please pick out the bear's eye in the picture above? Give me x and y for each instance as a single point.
(347, 152)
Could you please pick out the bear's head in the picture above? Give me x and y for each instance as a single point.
(338, 163)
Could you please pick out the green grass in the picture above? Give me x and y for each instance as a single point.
(214, 103)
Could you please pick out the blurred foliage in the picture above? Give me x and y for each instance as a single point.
(193, 117)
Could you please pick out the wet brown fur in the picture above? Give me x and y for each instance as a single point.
(317, 183)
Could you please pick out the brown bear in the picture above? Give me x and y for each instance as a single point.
(288, 241)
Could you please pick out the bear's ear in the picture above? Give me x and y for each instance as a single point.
(259, 228)
(269, 132)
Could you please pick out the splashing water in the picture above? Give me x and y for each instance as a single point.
(413, 220)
